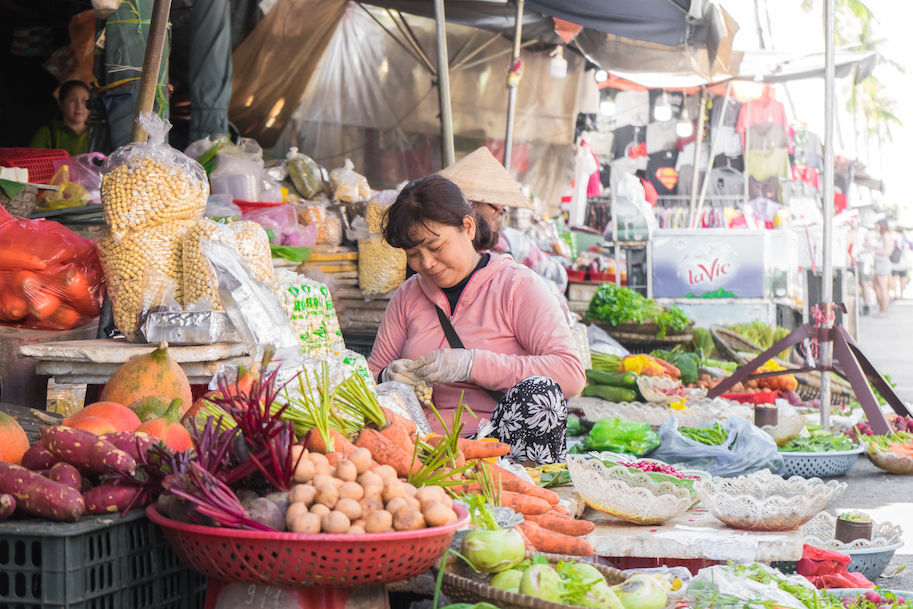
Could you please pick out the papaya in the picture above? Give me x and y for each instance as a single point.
(119, 416)
(13, 441)
(168, 428)
(96, 425)
(149, 407)
(151, 374)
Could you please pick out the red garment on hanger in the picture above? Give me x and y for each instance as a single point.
(650, 193)
(760, 112)
(806, 174)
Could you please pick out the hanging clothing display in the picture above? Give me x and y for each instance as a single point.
(729, 162)
(806, 174)
(661, 136)
(807, 149)
(760, 112)
(731, 118)
(661, 171)
(767, 137)
(686, 156)
(728, 141)
(726, 183)
(675, 99)
(764, 189)
(764, 164)
(632, 108)
(629, 142)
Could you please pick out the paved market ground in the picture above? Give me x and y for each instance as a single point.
(886, 496)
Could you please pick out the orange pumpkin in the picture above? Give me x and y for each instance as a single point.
(120, 417)
(13, 441)
(151, 374)
(168, 428)
(96, 425)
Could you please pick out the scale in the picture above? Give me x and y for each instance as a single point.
(267, 570)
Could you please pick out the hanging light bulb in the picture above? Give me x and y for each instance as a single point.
(558, 65)
(684, 127)
(662, 111)
(607, 106)
(600, 75)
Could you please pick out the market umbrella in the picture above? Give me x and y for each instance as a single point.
(484, 180)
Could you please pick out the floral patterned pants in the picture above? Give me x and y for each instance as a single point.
(532, 418)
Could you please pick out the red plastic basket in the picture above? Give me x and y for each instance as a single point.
(38, 161)
(293, 559)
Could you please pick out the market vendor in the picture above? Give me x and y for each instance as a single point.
(518, 363)
(71, 133)
(492, 191)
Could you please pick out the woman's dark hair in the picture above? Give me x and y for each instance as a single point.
(68, 86)
(432, 199)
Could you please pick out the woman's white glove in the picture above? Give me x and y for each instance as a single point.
(445, 366)
(401, 371)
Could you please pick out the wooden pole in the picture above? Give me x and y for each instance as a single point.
(152, 61)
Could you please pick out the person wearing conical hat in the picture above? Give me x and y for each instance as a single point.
(491, 190)
(475, 326)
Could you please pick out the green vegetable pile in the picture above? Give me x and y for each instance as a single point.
(619, 435)
(714, 435)
(761, 334)
(819, 442)
(618, 305)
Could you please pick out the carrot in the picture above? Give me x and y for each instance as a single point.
(560, 509)
(562, 524)
(397, 433)
(512, 482)
(42, 304)
(668, 369)
(384, 451)
(341, 444)
(904, 450)
(544, 540)
(13, 307)
(38, 496)
(523, 503)
(63, 318)
(78, 293)
(482, 449)
(409, 424)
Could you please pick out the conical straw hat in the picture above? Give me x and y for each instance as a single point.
(484, 180)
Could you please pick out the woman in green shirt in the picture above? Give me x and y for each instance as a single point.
(72, 133)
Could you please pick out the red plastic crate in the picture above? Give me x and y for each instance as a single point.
(761, 397)
(38, 161)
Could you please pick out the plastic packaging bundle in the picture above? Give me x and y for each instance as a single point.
(747, 449)
(349, 186)
(50, 277)
(238, 171)
(253, 247)
(311, 314)
(200, 282)
(125, 261)
(144, 184)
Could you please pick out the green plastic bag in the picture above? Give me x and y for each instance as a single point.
(619, 435)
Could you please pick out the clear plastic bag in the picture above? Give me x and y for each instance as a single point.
(305, 173)
(747, 449)
(83, 169)
(280, 219)
(400, 398)
(603, 343)
(149, 183)
(221, 206)
(381, 267)
(327, 221)
(68, 194)
(238, 171)
(253, 309)
(200, 282)
(712, 583)
(347, 185)
(50, 277)
(312, 316)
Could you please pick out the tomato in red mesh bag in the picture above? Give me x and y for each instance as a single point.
(50, 277)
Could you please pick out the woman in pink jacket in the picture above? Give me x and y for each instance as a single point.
(510, 354)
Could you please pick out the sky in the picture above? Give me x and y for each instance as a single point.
(791, 29)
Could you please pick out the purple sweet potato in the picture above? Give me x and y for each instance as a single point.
(109, 498)
(132, 443)
(84, 450)
(40, 496)
(66, 474)
(7, 506)
(38, 457)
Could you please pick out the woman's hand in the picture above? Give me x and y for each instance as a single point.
(445, 366)
(401, 371)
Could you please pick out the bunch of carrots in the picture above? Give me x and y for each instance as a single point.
(461, 465)
(49, 277)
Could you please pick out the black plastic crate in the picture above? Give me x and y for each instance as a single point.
(99, 562)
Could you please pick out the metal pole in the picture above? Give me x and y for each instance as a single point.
(512, 82)
(152, 61)
(827, 279)
(714, 139)
(698, 145)
(443, 84)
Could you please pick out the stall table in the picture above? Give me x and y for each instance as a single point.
(693, 537)
(94, 361)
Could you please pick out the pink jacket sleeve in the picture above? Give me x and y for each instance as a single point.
(542, 330)
(391, 336)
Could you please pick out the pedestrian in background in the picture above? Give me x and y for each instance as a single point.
(882, 250)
